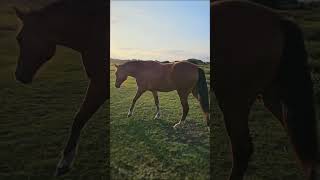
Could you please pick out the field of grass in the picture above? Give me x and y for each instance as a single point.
(273, 158)
(143, 148)
(35, 119)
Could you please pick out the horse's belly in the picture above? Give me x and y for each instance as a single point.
(162, 86)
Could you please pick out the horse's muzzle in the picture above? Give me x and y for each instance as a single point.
(117, 85)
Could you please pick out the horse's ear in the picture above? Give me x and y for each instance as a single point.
(21, 14)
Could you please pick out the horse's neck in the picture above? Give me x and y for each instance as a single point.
(80, 27)
(134, 70)
(133, 73)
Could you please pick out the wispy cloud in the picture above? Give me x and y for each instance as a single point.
(157, 54)
(160, 30)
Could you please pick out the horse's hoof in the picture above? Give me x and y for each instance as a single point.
(62, 168)
(176, 126)
(61, 171)
(129, 114)
(65, 163)
(157, 116)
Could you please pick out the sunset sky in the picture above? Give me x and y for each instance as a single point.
(160, 29)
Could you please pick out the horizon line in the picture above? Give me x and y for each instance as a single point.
(128, 59)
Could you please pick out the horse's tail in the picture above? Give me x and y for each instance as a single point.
(202, 89)
(298, 94)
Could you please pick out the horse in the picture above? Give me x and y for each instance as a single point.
(257, 50)
(81, 26)
(184, 77)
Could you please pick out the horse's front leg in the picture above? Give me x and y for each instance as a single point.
(236, 121)
(97, 93)
(140, 91)
(156, 101)
(183, 94)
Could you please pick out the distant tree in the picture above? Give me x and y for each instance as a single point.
(195, 61)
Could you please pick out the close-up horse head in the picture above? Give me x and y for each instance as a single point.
(69, 24)
(121, 75)
(35, 46)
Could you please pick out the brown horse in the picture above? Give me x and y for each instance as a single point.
(257, 51)
(154, 76)
(81, 26)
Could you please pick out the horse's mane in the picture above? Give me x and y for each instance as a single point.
(134, 63)
(72, 5)
(55, 5)
(59, 4)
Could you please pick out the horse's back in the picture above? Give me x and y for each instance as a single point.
(247, 29)
(184, 74)
(247, 46)
(165, 77)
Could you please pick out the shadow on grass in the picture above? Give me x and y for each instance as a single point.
(165, 143)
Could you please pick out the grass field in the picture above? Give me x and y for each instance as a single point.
(35, 119)
(273, 158)
(143, 148)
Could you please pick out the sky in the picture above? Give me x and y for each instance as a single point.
(164, 30)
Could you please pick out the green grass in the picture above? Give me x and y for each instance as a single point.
(35, 119)
(143, 148)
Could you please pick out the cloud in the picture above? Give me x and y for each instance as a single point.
(157, 54)
(120, 9)
(158, 31)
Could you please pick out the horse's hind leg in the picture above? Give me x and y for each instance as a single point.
(236, 122)
(273, 103)
(96, 95)
(195, 93)
(156, 101)
(183, 95)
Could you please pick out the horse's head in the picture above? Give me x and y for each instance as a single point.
(121, 75)
(35, 46)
